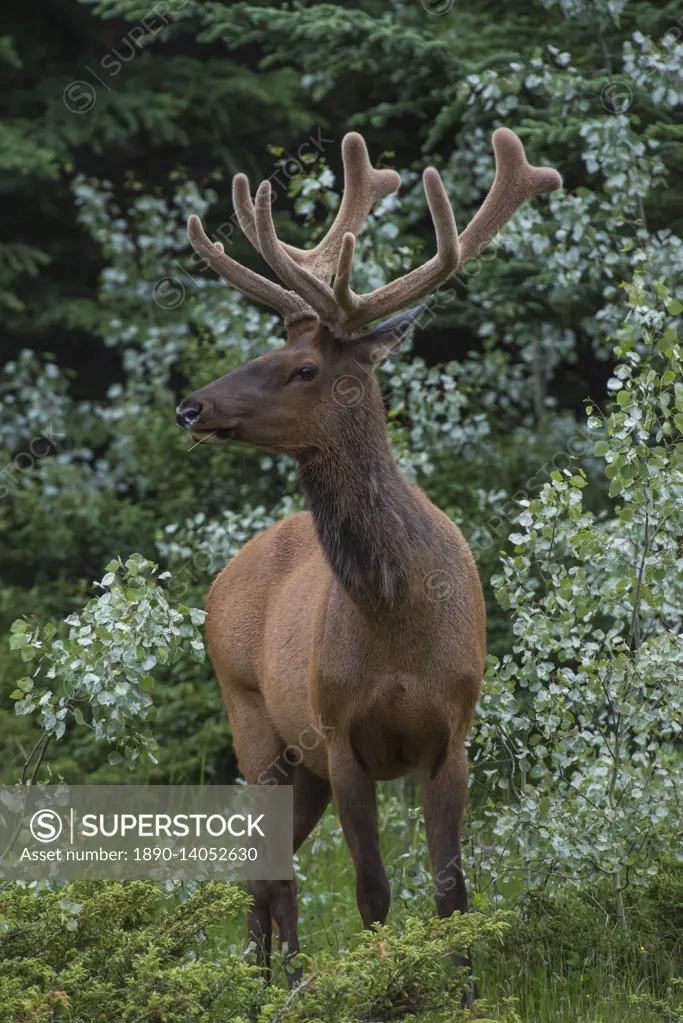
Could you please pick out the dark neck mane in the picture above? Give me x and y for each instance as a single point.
(365, 512)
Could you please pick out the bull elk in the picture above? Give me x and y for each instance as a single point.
(364, 617)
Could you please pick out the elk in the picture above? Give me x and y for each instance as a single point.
(362, 618)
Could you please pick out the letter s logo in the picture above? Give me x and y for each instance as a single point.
(46, 825)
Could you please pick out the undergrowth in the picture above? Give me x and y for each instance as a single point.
(129, 952)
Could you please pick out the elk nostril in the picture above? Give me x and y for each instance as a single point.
(188, 413)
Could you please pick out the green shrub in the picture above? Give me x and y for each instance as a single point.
(392, 974)
(126, 952)
(118, 952)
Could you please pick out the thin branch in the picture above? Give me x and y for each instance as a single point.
(34, 775)
(291, 996)
(30, 757)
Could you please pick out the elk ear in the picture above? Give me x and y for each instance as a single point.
(380, 341)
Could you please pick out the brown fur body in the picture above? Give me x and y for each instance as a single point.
(399, 684)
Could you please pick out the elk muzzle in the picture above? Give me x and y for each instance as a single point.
(188, 412)
(189, 415)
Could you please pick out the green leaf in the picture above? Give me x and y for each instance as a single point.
(667, 340)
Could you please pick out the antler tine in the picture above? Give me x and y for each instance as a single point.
(346, 299)
(363, 186)
(515, 182)
(315, 292)
(252, 285)
(244, 208)
(360, 309)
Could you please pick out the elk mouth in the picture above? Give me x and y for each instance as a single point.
(213, 436)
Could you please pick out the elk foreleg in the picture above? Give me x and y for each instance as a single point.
(260, 754)
(355, 796)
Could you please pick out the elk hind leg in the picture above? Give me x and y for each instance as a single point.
(444, 796)
(311, 795)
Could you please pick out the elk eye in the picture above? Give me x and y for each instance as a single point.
(306, 372)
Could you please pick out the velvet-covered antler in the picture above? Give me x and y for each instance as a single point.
(306, 272)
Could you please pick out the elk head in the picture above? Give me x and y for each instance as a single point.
(297, 398)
